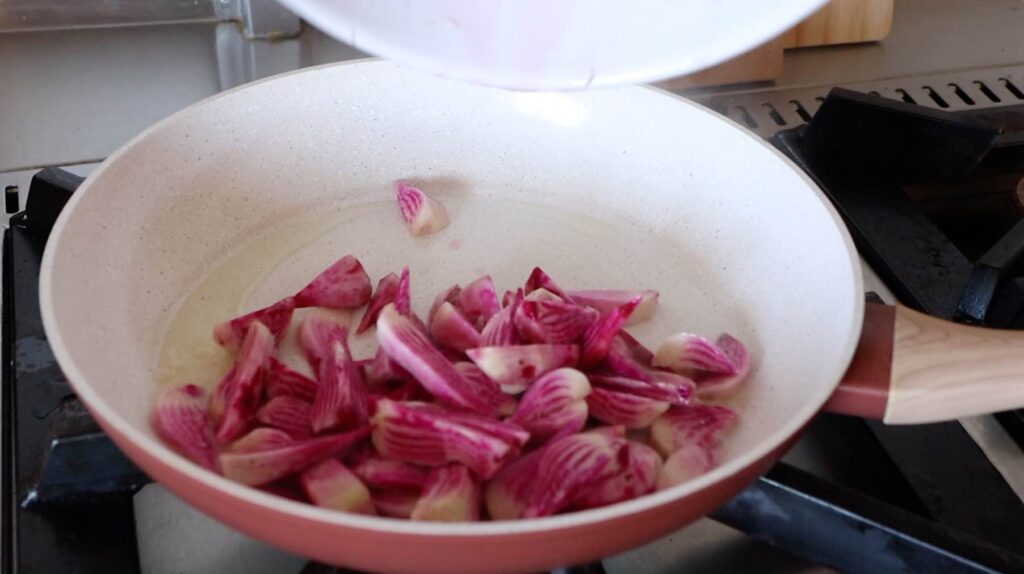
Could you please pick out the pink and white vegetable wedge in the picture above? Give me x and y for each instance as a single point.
(289, 414)
(424, 434)
(500, 329)
(343, 285)
(479, 300)
(340, 400)
(553, 321)
(383, 369)
(385, 293)
(423, 214)
(686, 354)
(676, 394)
(719, 386)
(451, 494)
(411, 349)
(606, 300)
(489, 391)
(282, 381)
(508, 494)
(180, 419)
(262, 438)
(638, 477)
(381, 473)
(686, 463)
(598, 338)
(229, 334)
(395, 503)
(317, 332)
(449, 328)
(331, 485)
(570, 466)
(237, 396)
(538, 279)
(554, 405)
(627, 409)
(701, 425)
(514, 367)
(256, 468)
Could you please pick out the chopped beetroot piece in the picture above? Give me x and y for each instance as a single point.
(503, 403)
(538, 279)
(570, 466)
(408, 347)
(515, 367)
(619, 364)
(380, 473)
(554, 404)
(289, 414)
(552, 321)
(509, 493)
(701, 425)
(479, 300)
(686, 463)
(450, 329)
(229, 334)
(260, 467)
(317, 332)
(341, 397)
(627, 409)
(674, 394)
(330, 485)
(449, 295)
(669, 378)
(395, 503)
(403, 295)
(408, 390)
(387, 289)
(719, 386)
(633, 349)
(504, 430)
(510, 295)
(606, 300)
(423, 214)
(423, 434)
(686, 353)
(262, 438)
(237, 396)
(343, 285)
(597, 340)
(282, 381)
(180, 418)
(383, 370)
(500, 329)
(639, 476)
(451, 494)
(542, 294)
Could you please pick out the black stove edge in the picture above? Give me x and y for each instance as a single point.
(98, 536)
(806, 515)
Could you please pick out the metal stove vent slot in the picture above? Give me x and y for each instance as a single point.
(769, 110)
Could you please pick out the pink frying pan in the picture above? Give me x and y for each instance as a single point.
(240, 199)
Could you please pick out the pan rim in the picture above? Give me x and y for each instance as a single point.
(151, 445)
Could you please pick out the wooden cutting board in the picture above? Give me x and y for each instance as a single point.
(758, 65)
(843, 22)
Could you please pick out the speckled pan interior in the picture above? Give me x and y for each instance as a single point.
(621, 188)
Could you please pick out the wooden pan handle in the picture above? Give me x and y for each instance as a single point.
(912, 368)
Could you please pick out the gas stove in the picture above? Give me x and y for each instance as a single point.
(853, 495)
